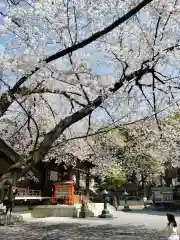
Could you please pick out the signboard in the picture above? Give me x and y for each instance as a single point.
(82, 181)
(63, 191)
(53, 176)
(162, 194)
(167, 197)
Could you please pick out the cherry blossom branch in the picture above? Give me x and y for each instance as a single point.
(4, 103)
(115, 126)
(72, 100)
(18, 130)
(89, 124)
(24, 91)
(167, 20)
(78, 78)
(30, 117)
(6, 100)
(156, 31)
(49, 107)
(39, 154)
(99, 34)
(108, 113)
(13, 20)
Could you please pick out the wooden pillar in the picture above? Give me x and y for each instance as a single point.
(43, 180)
(87, 182)
(78, 180)
(61, 172)
(69, 173)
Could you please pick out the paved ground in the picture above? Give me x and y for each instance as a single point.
(124, 226)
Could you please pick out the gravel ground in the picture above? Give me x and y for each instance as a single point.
(124, 226)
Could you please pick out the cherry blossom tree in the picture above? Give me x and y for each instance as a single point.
(47, 76)
(143, 150)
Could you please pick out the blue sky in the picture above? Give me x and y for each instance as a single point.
(4, 39)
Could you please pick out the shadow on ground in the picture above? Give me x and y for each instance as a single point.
(153, 212)
(40, 231)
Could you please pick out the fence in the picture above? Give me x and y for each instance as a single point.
(28, 193)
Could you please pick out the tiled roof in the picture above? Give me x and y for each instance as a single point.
(6, 149)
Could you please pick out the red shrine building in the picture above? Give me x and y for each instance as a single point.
(50, 182)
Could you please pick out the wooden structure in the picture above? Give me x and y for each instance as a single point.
(63, 192)
(65, 183)
(8, 157)
(167, 193)
(162, 195)
(55, 182)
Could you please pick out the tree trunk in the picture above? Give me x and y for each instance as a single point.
(87, 183)
(144, 185)
(20, 169)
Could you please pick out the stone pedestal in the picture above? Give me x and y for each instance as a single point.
(105, 214)
(126, 209)
(84, 212)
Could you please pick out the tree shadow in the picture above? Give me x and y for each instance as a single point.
(153, 212)
(74, 231)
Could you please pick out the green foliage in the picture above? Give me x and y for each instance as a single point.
(175, 116)
(113, 183)
(113, 179)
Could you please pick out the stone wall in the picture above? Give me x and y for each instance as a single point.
(54, 211)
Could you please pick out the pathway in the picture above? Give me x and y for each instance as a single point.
(125, 226)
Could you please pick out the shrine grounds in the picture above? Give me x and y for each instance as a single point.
(124, 226)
